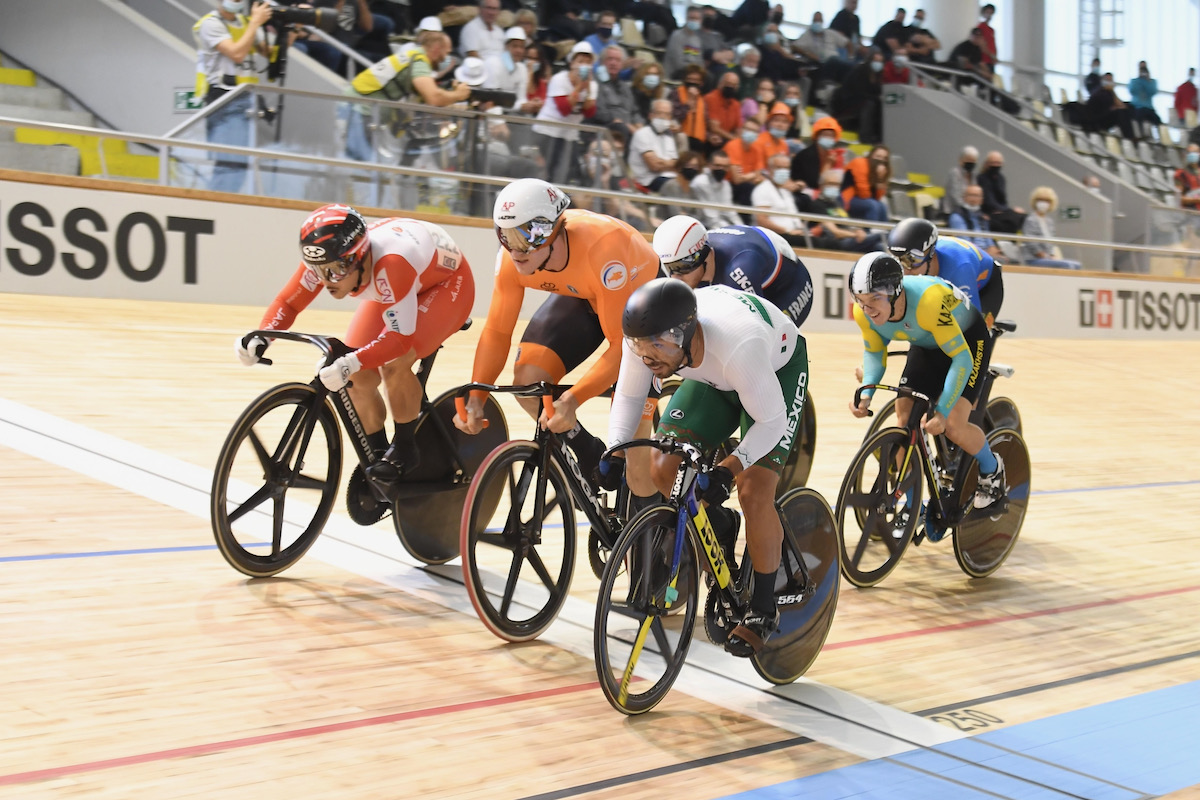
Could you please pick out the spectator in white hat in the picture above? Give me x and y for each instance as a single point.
(507, 71)
(482, 37)
(429, 24)
(473, 72)
(570, 97)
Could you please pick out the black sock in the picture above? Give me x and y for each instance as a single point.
(636, 503)
(378, 440)
(404, 444)
(724, 526)
(572, 435)
(763, 599)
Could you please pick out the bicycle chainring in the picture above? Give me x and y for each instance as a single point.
(598, 553)
(717, 623)
(361, 503)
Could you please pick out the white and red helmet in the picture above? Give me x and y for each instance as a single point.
(681, 243)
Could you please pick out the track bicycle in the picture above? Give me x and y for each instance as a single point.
(650, 589)
(517, 563)
(279, 471)
(879, 510)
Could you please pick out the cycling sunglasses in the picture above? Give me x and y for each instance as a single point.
(523, 238)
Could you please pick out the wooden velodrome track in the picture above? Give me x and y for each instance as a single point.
(137, 664)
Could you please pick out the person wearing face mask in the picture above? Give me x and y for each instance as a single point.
(774, 196)
(858, 102)
(570, 97)
(712, 186)
(602, 36)
(959, 178)
(1186, 98)
(652, 150)
(895, 69)
(827, 234)
(825, 46)
(1142, 90)
(992, 182)
(1104, 110)
(689, 107)
(507, 72)
(1091, 81)
(648, 87)
(793, 98)
(746, 162)
(922, 44)
(821, 156)
(776, 60)
(685, 46)
(1187, 179)
(614, 102)
(1040, 224)
(682, 186)
(869, 179)
(970, 217)
(226, 41)
(724, 110)
(773, 139)
(758, 105)
(537, 67)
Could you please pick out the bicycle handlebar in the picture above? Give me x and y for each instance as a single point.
(901, 391)
(329, 345)
(541, 388)
(692, 454)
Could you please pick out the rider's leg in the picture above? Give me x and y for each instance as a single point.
(404, 394)
(364, 393)
(756, 488)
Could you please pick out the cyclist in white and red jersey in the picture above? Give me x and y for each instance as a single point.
(416, 288)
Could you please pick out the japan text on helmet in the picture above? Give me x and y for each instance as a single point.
(663, 310)
(876, 273)
(528, 213)
(682, 244)
(333, 241)
(912, 241)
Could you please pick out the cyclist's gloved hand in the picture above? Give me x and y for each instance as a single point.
(337, 374)
(250, 349)
(714, 487)
(608, 473)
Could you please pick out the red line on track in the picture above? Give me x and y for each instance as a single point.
(299, 733)
(978, 623)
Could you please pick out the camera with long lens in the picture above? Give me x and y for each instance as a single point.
(496, 96)
(323, 18)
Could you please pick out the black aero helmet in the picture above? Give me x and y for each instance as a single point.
(876, 272)
(333, 240)
(912, 241)
(663, 307)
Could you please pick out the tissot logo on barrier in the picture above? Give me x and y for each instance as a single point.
(141, 244)
(836, 304)
(1129, 309)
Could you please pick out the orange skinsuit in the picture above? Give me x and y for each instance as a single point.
(606, 260)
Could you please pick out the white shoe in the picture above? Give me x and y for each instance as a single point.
(991, 488)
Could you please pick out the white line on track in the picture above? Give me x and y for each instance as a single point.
(808, 708)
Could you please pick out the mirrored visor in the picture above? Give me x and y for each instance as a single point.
(523, 238)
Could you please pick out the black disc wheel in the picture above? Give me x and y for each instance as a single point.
(427, 515)
(518, 541)
(806, 587)
(887, 500)
(640, 645)
(984, 539)
(276, 480)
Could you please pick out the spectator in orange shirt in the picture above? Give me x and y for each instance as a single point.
(871, 176)
(746, 163)
(724, 111)
(773, 140)
(689, 108)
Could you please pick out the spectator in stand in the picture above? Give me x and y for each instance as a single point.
(758, 107)
(989, 35)
(537, 67)
(570, 97)
(689, 109)
(1092, 184)
(602, 36)
(1040, 223)
(614, 103)
(1091, 81)
(603, 165)
(857, 103)
(482, 37)
(1142, 90)
(713, 186)
(891, 34)
(567, 23)
(746, 164)
(647, 87)
(792, 98)
(846, 23)
(687, 169)
(652, 150)
(1187, 179)
(1002, 218)
(500, 158)
(748, 59)
(826, 47)
(828, 235)
(685, 46)
(959, 178)
(895, 69)
(724, 111)
(508, 72)
(970, 217)
(527, 20)
(967, 56)
(773, 139)
(774, 197)
(922, 44)
(821, 156)
(361, 30)
(868, 180)
(776, 61)
(1186, 98)
(1104, 110)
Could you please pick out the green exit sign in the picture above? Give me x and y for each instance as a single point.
(894, 98)
(186, 100)
(1071, 212)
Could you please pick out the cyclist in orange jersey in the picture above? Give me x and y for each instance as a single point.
(590, 263)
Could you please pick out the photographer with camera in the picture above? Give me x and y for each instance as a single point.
(226, 40)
